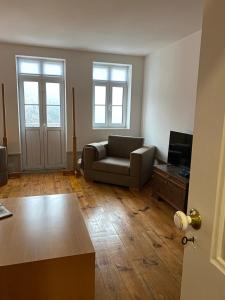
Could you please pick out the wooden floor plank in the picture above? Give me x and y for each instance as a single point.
(138, 249)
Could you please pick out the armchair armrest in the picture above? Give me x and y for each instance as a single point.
(92, 152)
(141, 163)
(89, 156)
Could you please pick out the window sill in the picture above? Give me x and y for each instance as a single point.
(113, 128)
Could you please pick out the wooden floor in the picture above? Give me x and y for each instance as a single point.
(138, 250)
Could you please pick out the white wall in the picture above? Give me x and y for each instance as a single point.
(78, 74)
(170, 86)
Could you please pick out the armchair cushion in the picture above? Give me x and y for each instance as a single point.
(122, 146)
(116, 165)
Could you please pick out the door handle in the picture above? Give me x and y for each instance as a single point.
(182, 221)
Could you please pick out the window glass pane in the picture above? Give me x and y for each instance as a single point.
(100, 73)
(117, 114)
(100, 95)
(32, 116)
(29, 67)
(53, 116)
(31, 92)
(100, 114)
(53, 68)
(119, 74)
(117, 95)
(52, 93)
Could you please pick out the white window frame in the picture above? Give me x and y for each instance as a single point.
(41, 61)
(42, 79)
(109, 84)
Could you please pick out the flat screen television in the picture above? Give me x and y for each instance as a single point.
(180, 147)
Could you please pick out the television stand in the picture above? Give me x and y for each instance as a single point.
(184, 172)
(169, 185)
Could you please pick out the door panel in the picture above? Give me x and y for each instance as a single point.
(203, 271)
(54, 148)
(33, 149)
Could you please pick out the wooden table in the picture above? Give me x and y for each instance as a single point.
(45, 250)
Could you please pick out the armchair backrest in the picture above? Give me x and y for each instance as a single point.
(122, 146)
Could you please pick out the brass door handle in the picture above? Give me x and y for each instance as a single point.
(182, 221)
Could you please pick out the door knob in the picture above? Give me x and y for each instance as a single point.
(182, 221)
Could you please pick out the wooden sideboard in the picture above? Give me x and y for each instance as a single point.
(46, 251)
(170, 186)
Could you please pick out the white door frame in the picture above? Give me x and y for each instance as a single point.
(42, 80)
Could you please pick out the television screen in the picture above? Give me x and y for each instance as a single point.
(180, 146)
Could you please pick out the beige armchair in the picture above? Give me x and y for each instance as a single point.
(121, 160)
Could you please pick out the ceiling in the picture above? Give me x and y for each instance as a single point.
(117, 26)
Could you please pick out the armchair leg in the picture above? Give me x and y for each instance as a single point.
(87, 179)
(135, 189)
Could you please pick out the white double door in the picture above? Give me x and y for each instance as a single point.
(42, 119)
